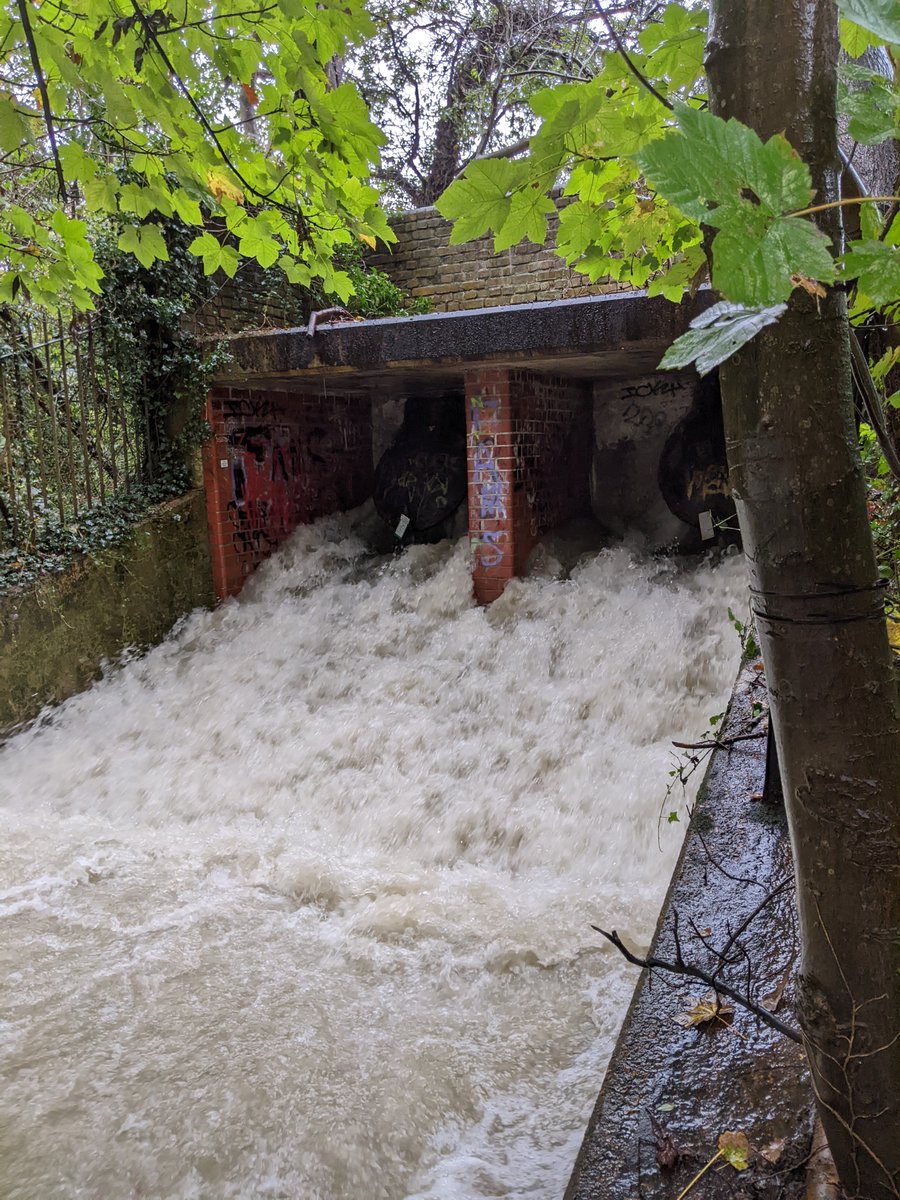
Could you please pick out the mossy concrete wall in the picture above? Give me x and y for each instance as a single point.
(56, 634)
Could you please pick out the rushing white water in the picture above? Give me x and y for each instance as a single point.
(299, 904)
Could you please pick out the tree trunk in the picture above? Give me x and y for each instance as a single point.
(801, 500)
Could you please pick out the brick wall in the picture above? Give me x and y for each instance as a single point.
(423, 263)
(276, 460)
(252, 299)
(529, 438)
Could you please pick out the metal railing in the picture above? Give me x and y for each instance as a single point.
(71, 431)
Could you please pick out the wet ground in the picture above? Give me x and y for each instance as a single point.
(670, 1092)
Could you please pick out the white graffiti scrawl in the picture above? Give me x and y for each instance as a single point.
(491, 487)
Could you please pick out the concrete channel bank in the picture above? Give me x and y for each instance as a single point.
(56, 634)
(670, 1091)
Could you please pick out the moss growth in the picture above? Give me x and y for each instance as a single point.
(57, 632)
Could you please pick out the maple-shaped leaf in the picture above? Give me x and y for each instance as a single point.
(722, 174)
(881, 17)
(877, 267)
(735, 1149)
(707, 1008)
(480, 200)
(717, 334)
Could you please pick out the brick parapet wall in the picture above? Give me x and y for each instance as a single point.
(276, 460)
(423, 263)
(252, 299)
(529, 448)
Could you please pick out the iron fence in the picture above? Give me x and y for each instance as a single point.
(73, 428)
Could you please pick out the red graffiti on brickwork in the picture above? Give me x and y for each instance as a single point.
(264, 507)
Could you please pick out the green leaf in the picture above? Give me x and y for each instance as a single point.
(675, 45)
(881, 17)
(755, 265)
(873, 109)
(145, 242)
(527, 218)
(708, 165)
(855, 40)
(208, 248)
(13, 127)
(720, 173)
(101, 194)
(480, 200)
(876, 267)
(717, 334)
(256, 243)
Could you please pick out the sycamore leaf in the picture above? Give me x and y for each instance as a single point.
(720, 173)
(256, 243)
(717, 334)
(881, 17)
(220, 185)
(13, 128)
(675, 45)
(709, 165)
(369, 241)
(479, 201)
(873, 108)
(735, 1149)
(855, 40)
(296, 272)
(527, 218)
(708, 1008)
(208, 248)
(145, 242)
(101, 193)
(876, 267)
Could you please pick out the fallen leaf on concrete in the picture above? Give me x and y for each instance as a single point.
(773, 1152)
(667, 1153)
(708, 1008)
(735, 1149)
(772, 1000)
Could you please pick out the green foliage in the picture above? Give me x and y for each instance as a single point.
(876, 268)
(881, 17)
(748, 191)
(376, 295)
(717, 334)
(871, 102)
(648, 168)
(57, 545)
(221, 111)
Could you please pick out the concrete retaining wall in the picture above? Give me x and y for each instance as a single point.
(56, 635)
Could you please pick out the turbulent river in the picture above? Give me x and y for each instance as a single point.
(298, 905)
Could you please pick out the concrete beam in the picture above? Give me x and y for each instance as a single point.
(613, 335)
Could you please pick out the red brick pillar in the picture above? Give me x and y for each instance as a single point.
(491, 468)
(228, 569)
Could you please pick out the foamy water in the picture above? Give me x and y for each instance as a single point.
(299, 904)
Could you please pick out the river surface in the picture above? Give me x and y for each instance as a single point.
(298, 905)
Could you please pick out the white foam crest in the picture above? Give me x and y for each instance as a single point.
(299, 903)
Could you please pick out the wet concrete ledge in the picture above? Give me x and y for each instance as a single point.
(698, 1083)
(616, 333)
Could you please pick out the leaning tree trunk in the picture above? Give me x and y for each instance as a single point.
(801, 500)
